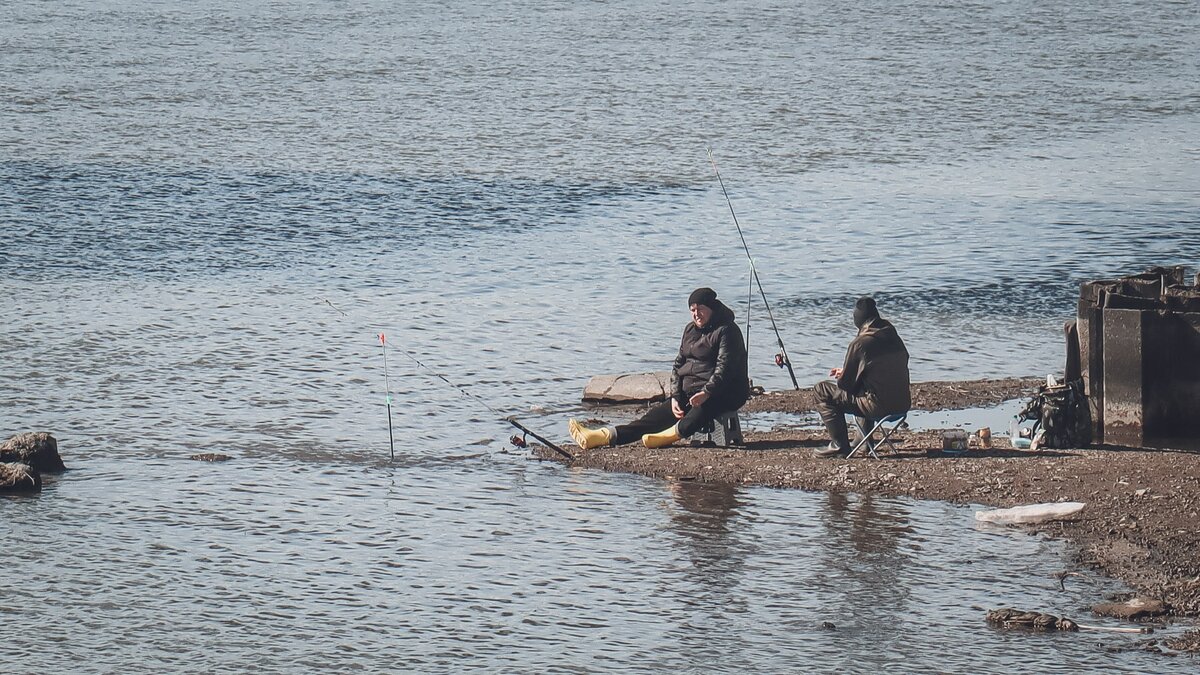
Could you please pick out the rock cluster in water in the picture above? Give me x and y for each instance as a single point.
(23, 460)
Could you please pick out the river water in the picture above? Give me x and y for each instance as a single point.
(209, 210)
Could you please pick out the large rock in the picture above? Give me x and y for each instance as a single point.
(19, 478)
(632, 388)
(38, 450)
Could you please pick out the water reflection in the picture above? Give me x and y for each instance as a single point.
(713, 540)
(862, 549)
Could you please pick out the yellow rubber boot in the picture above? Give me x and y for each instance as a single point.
(589, 438)
(662, 439)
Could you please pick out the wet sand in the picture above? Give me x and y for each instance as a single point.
(1141, 524)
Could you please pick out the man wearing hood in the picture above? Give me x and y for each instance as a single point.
(873, 383)
(709, 379)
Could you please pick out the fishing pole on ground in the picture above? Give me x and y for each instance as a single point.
(518, 441)
(781, 359)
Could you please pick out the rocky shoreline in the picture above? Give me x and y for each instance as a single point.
(1141, 524)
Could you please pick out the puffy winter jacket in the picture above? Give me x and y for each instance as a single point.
(712, 359)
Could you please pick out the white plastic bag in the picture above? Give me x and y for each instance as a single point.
(1032, 513)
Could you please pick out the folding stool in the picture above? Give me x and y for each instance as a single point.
(888, 425)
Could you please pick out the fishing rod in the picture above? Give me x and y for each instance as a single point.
(388, 388)
(781, 359)
(520, 441)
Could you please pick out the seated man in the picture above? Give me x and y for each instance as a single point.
(708, 380)
(873, 383)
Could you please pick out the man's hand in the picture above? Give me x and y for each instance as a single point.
(698, 398)
(835, 373)
(676, 409)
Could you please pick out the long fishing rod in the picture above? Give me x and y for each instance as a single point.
(511, 419)
(782, 359)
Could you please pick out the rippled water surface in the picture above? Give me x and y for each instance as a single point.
(488, 563)
(209, 210)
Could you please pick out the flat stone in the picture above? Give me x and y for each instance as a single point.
(628, 388)
(1133, 609)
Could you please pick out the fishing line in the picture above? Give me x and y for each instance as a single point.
(781, 359)
(749, 299)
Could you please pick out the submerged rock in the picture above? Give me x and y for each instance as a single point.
(39, 450)
(18, 478)
(210, 457)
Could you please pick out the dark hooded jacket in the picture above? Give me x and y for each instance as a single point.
(713, 359)
(876, 370)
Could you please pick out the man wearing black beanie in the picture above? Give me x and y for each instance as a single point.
(708, 379)
(872, 383)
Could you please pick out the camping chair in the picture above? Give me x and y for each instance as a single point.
(888, 425)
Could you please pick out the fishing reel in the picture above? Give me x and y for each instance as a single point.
(518, 441)
(781, 360)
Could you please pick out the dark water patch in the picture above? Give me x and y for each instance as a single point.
(121, 221)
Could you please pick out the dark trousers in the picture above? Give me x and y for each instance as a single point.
(660, 418)
(833, 403)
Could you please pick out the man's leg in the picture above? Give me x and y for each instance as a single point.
(832, 406)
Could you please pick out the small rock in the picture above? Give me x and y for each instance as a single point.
(210, 457)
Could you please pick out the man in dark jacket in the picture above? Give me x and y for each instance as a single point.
(873, 383)
(709, 378)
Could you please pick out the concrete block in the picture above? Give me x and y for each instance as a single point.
(1123, 399)
(1171, 371)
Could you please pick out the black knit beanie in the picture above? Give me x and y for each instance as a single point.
(703, 296)
(864, 311)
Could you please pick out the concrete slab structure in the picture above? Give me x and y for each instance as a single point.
(1139, 356)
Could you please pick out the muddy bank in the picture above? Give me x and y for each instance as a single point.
(1141, 524)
